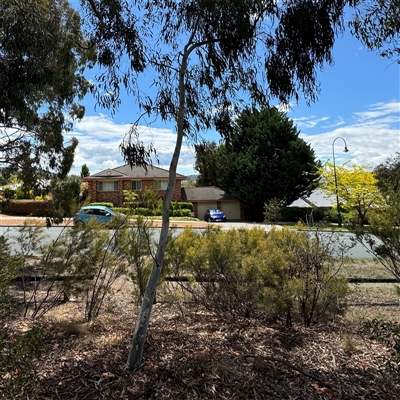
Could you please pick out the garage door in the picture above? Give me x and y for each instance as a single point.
(202, 207)
(231, 210)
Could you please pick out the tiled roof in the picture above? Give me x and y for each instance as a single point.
(126, 172)
(205, 193)
(317, 198)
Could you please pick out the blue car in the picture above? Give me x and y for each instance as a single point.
(214, 215)
(102, 214)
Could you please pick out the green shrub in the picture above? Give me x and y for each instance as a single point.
(231, 274)
(17, 369)
(352, 218)
(180, 205)
(248, 273)
(37, 208)
(186, 205)
(157, 212)
(272, 211)
(294, 214)
(313, 290)
(185, 212)
(130, 198)
(180, 213)
(145, 212)
(21, 193)
(331, 215)
(66, 195)
(122, 210)
(174, 213)
(17, 352)
(81, 262)
(105, 204)
(137, 248)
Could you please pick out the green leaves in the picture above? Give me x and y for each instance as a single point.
(266, 159)
(249, 273)
(209, 57)
(377, 25)
(356, 188)
(43, 55)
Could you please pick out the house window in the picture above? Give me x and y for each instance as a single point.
(136, 185)
(108, 186)
(160, 185)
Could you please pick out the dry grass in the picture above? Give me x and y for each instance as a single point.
(370, 300)
(364, 268)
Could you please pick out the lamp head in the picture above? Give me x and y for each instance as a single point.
(346, 150)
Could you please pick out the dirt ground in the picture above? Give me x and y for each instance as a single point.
(192, 354)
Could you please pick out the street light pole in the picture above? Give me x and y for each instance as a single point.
(339, 216)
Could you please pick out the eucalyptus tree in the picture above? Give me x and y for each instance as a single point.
(42, 59)
(376, 24)
(207, 59)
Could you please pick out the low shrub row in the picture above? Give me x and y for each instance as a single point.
(43, 208)
(147, 212)
(105, 204)
(36, 208)
(295, 214)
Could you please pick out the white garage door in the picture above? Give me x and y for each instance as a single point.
(202, 207)
(231, 210)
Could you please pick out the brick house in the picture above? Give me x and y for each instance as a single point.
(108, 185)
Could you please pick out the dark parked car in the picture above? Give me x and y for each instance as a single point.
(102, 214)
(214, 215)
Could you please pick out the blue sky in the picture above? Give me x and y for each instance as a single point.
(359, 101)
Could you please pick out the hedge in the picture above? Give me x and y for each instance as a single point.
(146, 212)
(122, 210)
(181, 205)
(36, 208)
(294, 214)
(105, 204)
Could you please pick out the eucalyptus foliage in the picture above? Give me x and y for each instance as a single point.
(377, 24)
(206, 59)
(42, 59)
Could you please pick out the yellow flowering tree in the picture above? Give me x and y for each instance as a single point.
(356, 189)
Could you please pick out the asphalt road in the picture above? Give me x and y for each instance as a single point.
(344, 238)
(10, 220)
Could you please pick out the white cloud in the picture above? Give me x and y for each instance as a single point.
(371, 135)
(100, 137)
(388, 110)
(308, 122)
(339, 122)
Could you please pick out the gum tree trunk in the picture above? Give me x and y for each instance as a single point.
(139, 336)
